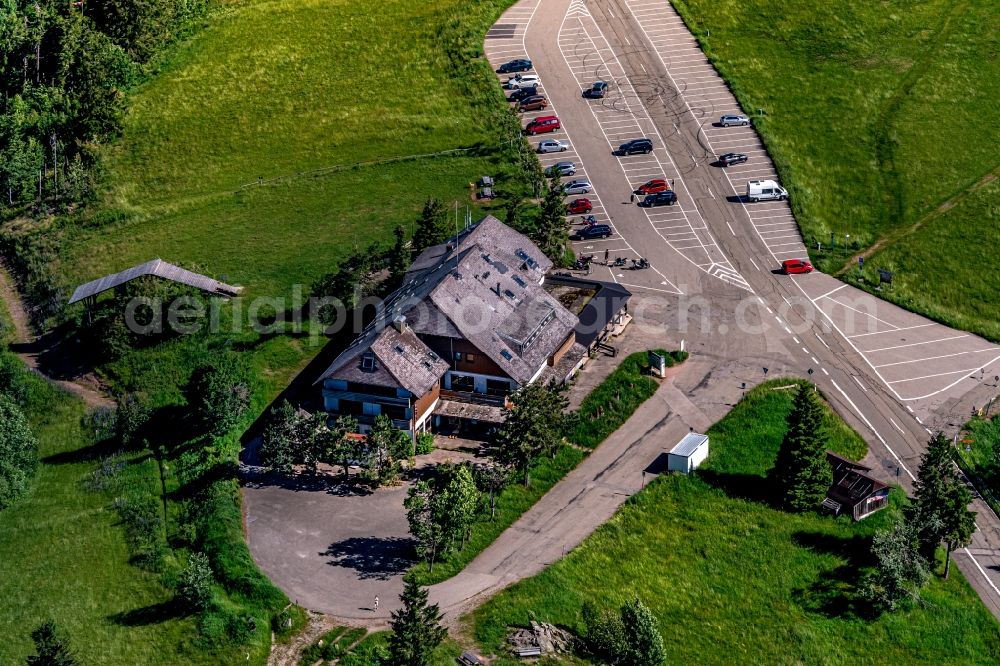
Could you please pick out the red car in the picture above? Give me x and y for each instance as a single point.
(794, 266)
(653, 186)
(542, 124)
(580, 206)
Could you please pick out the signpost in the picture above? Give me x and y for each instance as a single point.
(657, 364)
(884, 277)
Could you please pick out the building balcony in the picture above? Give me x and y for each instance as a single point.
(473, 398)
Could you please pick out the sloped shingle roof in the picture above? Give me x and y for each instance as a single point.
(158, 268)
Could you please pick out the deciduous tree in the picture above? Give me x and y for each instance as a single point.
(801, 473)
(492, 478)
(535, 424)
(425, 515)
(219, 393)
(900, 570)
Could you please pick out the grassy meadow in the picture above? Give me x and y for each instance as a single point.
(733, 580)
(63, 555)
(276, 90)
(875, 118)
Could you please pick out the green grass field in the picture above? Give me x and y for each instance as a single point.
(63, 555)
(733, 580)
(875, 117)
(274, 89)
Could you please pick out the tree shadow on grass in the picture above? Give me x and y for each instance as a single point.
(148, 615)
(835, 591)
(751, 487)
(377, 558)
(96, 451)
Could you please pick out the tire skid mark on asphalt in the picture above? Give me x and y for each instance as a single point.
(616, 127)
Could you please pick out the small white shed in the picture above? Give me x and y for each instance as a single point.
(688, 453)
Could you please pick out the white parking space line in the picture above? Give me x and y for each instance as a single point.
(914, 344)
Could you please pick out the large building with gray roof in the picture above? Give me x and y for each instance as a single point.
(470, 324)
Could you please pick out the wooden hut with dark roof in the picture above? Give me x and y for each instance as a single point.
(853, 489)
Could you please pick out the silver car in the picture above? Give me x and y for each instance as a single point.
(561, 168)
(552, 146)
(578, 186)
(726, 121)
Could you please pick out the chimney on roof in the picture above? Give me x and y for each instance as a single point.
(399, 323)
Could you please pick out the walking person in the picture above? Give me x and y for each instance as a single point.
(375, 609)
(607, 256)
(631, 198)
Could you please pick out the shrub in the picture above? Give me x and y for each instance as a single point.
(194, 586)
(219, 393)
(425, 443)
(18, 453)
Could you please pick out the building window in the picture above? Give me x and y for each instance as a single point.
(458, 356)
(469, 358)
(462, 383)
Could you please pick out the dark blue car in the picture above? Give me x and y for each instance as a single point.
(593, 231)
(519, 65)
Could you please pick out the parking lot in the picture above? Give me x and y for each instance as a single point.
(708, 98)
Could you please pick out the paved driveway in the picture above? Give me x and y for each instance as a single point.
(331, 550)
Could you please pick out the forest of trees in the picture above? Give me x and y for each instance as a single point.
(65, 67)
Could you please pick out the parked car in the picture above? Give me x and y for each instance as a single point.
(765, 190)
(641, 146)
(596, 91)
(579, 206)
(552, 146)
(653, 186)
(542, 124)
(795, 266)
(726, 121)
(533, 103)
(523, 93)
(665, 198)
(523, 81)
(518, 65)
(730, 159)
(592, 231)
(578, 186)
(561, 168)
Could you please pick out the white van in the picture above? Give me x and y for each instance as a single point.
(765, 190)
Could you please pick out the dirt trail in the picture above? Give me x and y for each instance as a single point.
(934, 214)
(288, 654)
(86, 387)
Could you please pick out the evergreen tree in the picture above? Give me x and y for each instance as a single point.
(643, 642)
(399, 255)
(900, 570)
(51, 646)
(931, 495)
(551, 233)
(432, 227)
(18, 453)
(801, 473)
(535, 424)
(959, 522)
(416, 628)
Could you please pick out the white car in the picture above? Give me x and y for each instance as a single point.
(522, 81)
(552, 146)
(578, 186)
(726, 121)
